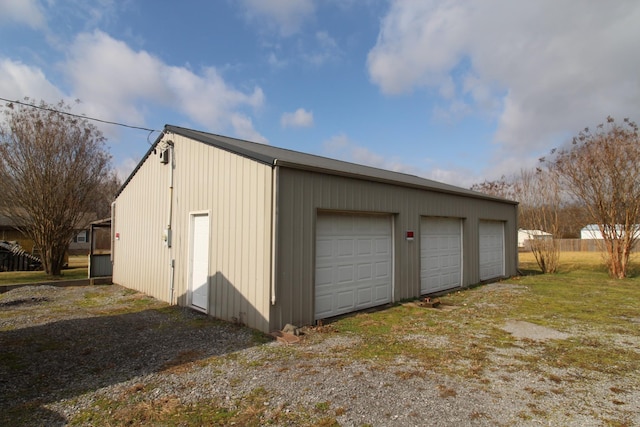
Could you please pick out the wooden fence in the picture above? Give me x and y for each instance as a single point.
(578, 245)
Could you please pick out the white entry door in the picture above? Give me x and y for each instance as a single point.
(491, 249)
(199, 268)
(354, 263)
(440, 254)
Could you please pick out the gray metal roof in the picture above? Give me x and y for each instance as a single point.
(274, 156)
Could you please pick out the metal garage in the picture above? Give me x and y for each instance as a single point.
(265, 236)
(354, 260)
(440, 254)
(491, 252)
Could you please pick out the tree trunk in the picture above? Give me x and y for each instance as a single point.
(53, 259)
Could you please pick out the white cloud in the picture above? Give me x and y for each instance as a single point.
(125, 167)
(276, 62)
(110, 77)
(115, 82)
(541, 69)
(18, 80)
(342, 147)
(336, 143)
(298, 119)
(243, 128)
(22, 11)
(326, 49)
(282, 16)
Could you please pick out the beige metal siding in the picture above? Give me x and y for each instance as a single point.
(140, 258)
(236, 192)
(303, 193)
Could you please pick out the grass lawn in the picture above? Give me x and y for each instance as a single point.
(579, 300)
(77, 270)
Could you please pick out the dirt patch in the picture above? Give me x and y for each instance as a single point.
(531, 331)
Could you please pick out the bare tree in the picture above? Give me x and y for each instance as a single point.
(601, 170)
(572, 217)
(540, 204)
(107, 193)
(503, 187)
(51, 166)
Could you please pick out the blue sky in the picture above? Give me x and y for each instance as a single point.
(456, 91)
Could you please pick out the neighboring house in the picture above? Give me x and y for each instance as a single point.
(592, 231)
(524, 235)
(9, 233)
(79, 244)
(265, 236)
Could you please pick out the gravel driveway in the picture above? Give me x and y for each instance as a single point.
(65, 351)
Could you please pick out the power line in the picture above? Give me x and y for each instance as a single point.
(81, 116)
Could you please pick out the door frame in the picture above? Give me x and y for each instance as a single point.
(192, 216)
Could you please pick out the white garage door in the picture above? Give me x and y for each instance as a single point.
(353, 263)
(440, 254)
(491, 249)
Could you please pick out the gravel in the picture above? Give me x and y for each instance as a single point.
(64, 349)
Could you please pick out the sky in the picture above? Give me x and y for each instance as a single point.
(452, 90)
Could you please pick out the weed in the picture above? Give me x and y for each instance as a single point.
(326, 422)
(405, 375)
(260, 337)
(556, 379)
(182, 362)
(535, 410)
(322, 406)
(446, 391)
(475, 415)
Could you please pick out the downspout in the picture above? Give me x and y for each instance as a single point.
(113, 230)
(274, 227)
(516, 208)
(169, 221)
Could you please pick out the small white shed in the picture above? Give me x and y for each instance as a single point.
(592, 231)
(524, 235)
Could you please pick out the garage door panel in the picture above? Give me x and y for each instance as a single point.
(324, 276)
(365, 296)
(440, 254)
(364, 272)
(356, 273)
(346, 299)
(365, 247)
(324, 248)
(383, 246)
(381, 294)
(345, 274)
(324, 303)
(345, 248)
(383, 270)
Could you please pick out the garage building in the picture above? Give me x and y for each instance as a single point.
(264, 236)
